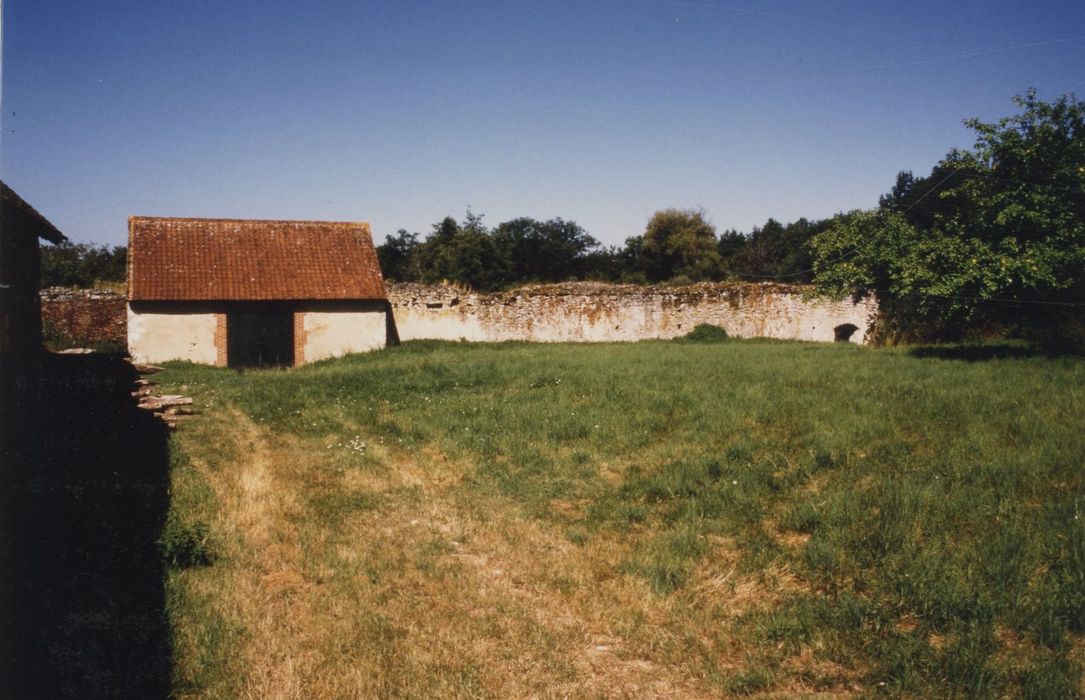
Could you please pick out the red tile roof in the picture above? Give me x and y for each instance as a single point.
(233, 259)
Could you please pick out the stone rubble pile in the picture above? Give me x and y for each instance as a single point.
(171, 409)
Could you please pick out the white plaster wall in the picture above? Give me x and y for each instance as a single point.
(336, 333)
(155, 337)
(438, 324)
(448, 314)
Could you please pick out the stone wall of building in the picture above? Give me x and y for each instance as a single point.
(86, 316)
(593, 312)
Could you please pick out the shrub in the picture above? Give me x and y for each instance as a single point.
(707, 333)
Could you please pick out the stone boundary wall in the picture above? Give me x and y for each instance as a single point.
(85, 315)
(569, 312)
(595, 312)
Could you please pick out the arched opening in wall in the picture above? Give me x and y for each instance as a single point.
(844, 332)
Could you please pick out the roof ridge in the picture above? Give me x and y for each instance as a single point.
(195, 219)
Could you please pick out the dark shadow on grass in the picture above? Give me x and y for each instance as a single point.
(983, 353)
(84, 498)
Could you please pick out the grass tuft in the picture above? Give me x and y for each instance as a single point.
(185, 545)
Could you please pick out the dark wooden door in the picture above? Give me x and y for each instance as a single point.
(260, 337)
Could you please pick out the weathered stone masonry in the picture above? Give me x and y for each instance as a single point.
(592, 312)
(85, 315)
(566, 312)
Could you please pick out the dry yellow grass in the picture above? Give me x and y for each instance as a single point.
(425, 592)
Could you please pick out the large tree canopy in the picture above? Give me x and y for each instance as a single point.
(462, 253)
(542, 251)
(680, 243)
(993, 238)
(395, 256)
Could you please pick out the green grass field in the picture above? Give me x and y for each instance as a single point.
(659, 519)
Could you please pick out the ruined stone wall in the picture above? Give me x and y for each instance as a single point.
(570, 312)
(85, 315)
(593, 312)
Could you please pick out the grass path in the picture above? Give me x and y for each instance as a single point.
(411, 589)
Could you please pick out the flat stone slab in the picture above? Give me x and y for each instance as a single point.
(157, 403)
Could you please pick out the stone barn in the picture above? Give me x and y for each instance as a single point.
(247, 293)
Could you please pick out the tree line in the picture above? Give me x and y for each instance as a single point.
(677, 245)
(82, 264)
(991, 241)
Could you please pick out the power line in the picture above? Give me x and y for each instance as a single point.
(951, 174)
(999, 300)
(989, 176)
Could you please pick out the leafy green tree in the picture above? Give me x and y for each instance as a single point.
(604, 264)
(544, 251)
(628, 262)
(397, 257)
(425, 254)
(446, 230)
(795, 264)
(871, 253)
(732, 248)
(462, 253)
(679, 243)
(1000, 246)
(773, 251)
(82, 264)
(764, 249)
(916, 198)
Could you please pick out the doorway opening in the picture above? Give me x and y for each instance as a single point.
(260, 337)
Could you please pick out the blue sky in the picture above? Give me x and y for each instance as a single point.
(599, 111)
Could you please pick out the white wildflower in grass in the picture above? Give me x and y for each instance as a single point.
(355, 444)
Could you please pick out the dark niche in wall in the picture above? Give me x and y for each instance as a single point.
(844, 332)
